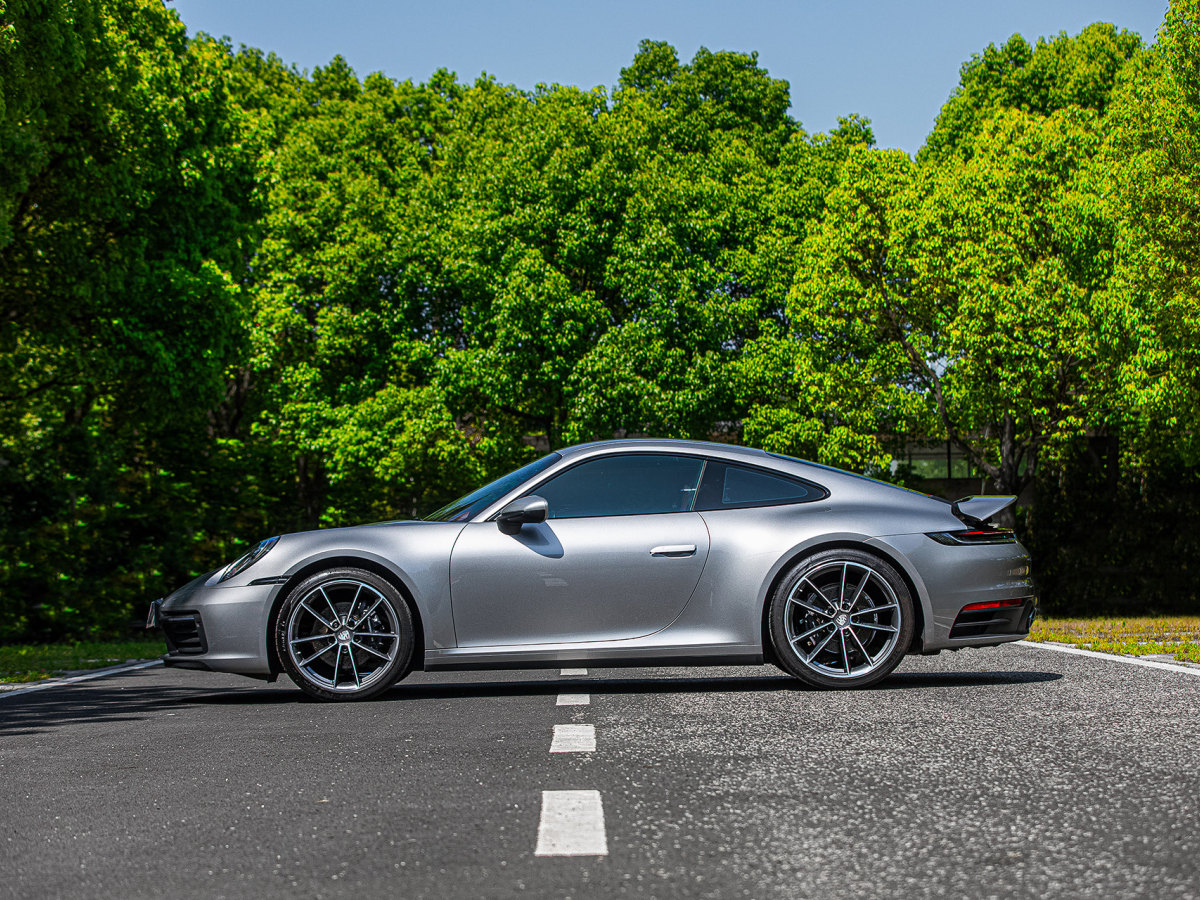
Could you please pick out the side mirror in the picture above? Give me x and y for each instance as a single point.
(522, 511)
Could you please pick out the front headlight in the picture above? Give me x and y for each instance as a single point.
(242, 563)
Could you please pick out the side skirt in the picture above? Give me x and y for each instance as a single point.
(507, 658)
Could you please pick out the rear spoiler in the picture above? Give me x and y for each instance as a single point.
(976, 511)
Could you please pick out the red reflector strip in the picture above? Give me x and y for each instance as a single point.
(992, 604)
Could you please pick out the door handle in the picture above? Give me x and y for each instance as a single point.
(674, 550)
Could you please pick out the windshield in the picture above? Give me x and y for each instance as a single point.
(464, 508)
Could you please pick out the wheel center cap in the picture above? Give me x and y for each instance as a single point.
(842, 620)
(344, 636)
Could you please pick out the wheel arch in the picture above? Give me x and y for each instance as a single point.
(356, 561)
(840, 543)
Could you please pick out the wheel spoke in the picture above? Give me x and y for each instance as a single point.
(321, 652)
(311, 637)
(353, 666)
(845, 652)
(820, 646)
(888, 628)
(332, 608)
(316, 615)
(820, 593)
(382, 656)
(353, 603)
(365, 615)
(842, 589)
(337, 664)
(870, 661)
(811, 608)
(874, 609)
(811, 631)
(862, 587)
(386, 634)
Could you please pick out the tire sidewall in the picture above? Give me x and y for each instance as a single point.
(397, 669)
(787, 658)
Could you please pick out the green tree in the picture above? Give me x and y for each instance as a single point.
(126, 168)
(1060, 73)
(344, 349)
(1152, 161)
(965, 299)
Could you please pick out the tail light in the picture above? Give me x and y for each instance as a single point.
(985, 535)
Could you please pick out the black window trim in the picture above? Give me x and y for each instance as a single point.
(820, 491)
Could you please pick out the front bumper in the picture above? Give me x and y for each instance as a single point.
(220, 628)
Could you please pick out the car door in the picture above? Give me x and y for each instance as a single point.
(617, 558)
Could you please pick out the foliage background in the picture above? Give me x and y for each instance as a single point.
(238, 299)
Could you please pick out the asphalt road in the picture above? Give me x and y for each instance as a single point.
(1009, 772)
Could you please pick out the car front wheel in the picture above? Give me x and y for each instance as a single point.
(344, 634)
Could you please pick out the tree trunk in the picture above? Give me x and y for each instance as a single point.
(310, 490)
(1008, 478)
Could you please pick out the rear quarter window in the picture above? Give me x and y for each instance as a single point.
(729, 486)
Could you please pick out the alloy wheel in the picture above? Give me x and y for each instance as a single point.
(343, 635)
(842, 619)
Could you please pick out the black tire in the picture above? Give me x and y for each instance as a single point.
(841, 618)
(363, 623)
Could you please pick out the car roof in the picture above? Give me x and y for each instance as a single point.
(712, 449)
(667, 444)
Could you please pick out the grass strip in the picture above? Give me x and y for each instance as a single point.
(37, 662)
(1177, 636)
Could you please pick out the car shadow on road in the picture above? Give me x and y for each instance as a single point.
(44, 710)
(425, 690)
(717, 685)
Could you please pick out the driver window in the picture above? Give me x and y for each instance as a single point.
(636, 484)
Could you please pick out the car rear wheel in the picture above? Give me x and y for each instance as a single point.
(344, 634)
(841, 618)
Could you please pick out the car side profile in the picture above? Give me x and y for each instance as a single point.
(619, 553)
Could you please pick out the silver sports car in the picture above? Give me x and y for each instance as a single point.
(619, 553)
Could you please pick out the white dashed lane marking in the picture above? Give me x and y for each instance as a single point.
(573, 739)
(572, 824)
(574, 699)
(573, 672)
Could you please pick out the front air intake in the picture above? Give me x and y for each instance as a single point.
(184, 633)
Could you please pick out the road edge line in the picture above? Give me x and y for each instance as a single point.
(60, 682)
(1128, 660)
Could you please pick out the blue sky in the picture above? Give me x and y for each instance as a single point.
(893, 62)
